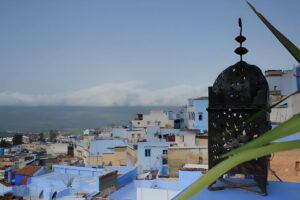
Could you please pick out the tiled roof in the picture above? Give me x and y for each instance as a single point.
(28, 170)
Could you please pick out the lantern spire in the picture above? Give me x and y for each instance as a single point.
(240, 39)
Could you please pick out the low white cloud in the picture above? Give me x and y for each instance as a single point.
(132, 93)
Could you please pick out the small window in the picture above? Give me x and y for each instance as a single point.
(148, 122)
(164, 161)
(193, 116)
(147, 152)
(297, 166)
(200, 116)
(164, 151)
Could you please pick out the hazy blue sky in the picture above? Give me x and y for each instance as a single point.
(131, 52)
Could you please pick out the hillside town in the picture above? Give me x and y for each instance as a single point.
(156, 156)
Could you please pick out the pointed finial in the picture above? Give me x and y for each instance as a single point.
(240, 39)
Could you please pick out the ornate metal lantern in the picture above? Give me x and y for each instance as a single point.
(238, 93)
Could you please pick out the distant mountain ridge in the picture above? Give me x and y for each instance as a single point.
(73, 118)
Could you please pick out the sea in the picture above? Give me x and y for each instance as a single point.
(71, 119)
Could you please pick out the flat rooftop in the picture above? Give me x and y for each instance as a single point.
(276, 191)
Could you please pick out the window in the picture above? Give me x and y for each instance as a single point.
(200, 116)
(148, 122)
(191, 116)
(297, 166)
(164, 161)
(147, 152)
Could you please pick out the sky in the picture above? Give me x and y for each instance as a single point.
(119, 53)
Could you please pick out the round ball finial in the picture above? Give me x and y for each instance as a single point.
(240, 39)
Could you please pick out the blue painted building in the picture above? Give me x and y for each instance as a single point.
(82, 180)
(23, 175)
(201, 115)
(5, 188)
(159, 188)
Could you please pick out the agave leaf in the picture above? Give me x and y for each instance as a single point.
(287, 128)
(217, 171)
(293, 49)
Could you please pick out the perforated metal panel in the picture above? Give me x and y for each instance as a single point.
(238, 93)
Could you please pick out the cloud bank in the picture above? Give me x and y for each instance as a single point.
(132, 93)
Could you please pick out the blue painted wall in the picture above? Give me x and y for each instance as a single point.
(19, 178)
(79, 171)
(4, 189)
(200, 106)
(127, 178)
(186, 178)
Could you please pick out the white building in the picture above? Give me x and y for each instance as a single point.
(25, 139)
(57, 148)
(152, 133)
(86, 132)
(155, 133)
(136, 135)
(186, 138)
(190, 112)
(283, 83)
(160, 118)
(150, 155)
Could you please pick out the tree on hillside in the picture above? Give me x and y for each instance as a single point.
(41, 137)
(4, 144)
(17, 139)
(52, 135)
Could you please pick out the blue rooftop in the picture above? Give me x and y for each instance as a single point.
(276, 191)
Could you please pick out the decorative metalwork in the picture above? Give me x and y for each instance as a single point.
(238, 93)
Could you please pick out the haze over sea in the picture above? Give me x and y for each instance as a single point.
(68, 118)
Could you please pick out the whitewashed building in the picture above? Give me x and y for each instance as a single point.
(159, 118)
(150, 155)
(282, 83)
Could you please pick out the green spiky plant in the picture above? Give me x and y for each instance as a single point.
(260, 146)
